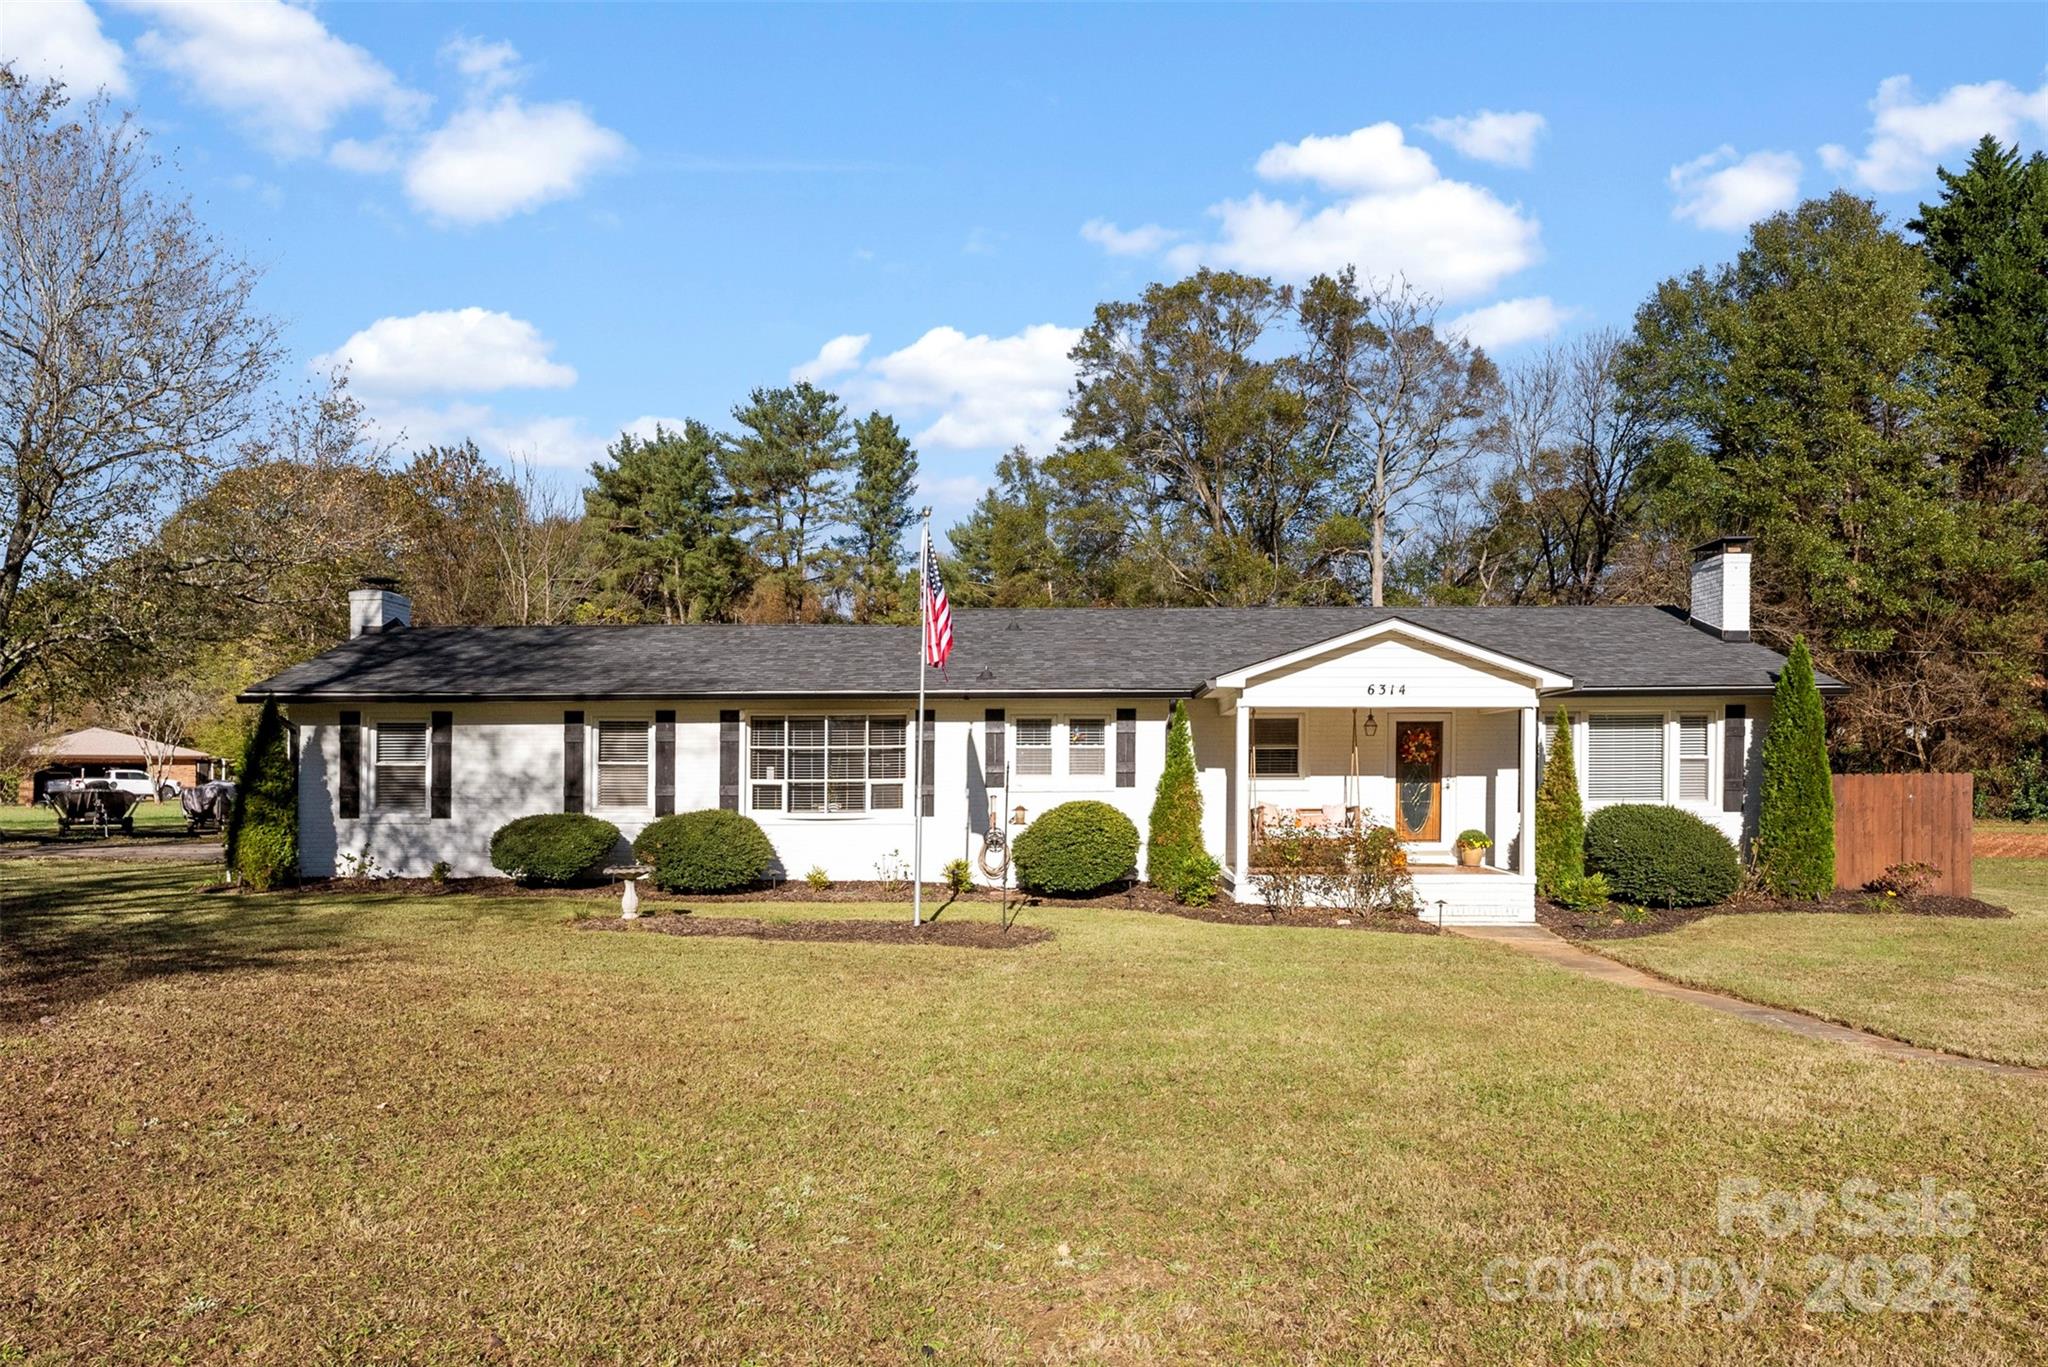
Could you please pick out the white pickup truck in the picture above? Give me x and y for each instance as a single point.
(134, 781)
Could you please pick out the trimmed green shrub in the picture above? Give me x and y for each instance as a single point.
(1560, 818)
(1582, 892)
(1076, 847)
(553, 848)
(263, 825)
(709, 851)
(1795, 825)
(1661, 856)
(1175, 861)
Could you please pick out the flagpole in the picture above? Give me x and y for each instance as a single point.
(924, 608)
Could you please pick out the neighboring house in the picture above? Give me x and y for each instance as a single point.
(415, 745)
(96, 752)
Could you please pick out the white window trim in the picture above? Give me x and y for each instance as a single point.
(1062, 774)
(595, 789)
(1716, 715)
(373, 806)
(911, 737)
(1300, 720)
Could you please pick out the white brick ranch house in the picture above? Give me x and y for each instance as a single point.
(416, 744)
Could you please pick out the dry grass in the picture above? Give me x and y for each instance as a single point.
(1973, 986)
(369, 1128)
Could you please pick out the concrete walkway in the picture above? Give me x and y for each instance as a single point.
(1554, 949)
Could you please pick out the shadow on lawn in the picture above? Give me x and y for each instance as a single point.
(75, 934)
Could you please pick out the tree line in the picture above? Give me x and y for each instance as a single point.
(1869, 400)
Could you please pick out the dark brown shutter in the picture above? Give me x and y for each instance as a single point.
(1734, 757)
(926, 789)
(729, 759)
(348, 786)
(572, 761)
(441, 785)
(665, 763)
(1127, 747)
(992, 748)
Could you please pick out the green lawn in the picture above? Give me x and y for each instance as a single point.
(151, 818)
(1975, 987)
(379, 1129)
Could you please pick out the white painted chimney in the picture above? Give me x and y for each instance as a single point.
(377, 606)
(1720, 587)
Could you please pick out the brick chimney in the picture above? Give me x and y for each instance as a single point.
(377, 606)
(1720, 587)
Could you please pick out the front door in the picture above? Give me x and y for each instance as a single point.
(1419, 781)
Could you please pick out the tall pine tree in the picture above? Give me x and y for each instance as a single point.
(664, 529)
(878, 512)
(786, 467)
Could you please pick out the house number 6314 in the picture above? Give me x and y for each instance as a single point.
(1386, 690)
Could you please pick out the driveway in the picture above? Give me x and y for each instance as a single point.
(129, 851)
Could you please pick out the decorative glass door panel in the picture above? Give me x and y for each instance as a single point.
(1419, 780)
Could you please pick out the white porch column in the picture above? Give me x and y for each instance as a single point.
(1525, 846)
(1241, 798)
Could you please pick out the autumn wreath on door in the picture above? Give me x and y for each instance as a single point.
(1418, 778)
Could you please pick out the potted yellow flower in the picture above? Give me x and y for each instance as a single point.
(1472, 847)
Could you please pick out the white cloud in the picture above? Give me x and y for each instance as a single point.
(488, 67)
(972, 393)
(372, 156)
(469, 350)
(1728, 193)
(1503, 139)
(836, 357)
(951, 491)
(1391, 212)
(1909, 136)
(491, 161)
(1143, 240)
(1510, 322)
(1374, 158)
(273, 66)
(61, 40)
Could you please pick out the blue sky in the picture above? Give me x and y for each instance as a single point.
(538, 224)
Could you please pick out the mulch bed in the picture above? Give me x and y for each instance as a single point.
(1609, 923)
(952, 934)
(1137, 897)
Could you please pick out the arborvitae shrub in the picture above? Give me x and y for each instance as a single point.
(1076, 847)
(1655, 855)
(1560, 818)
(1175, 861)
(553, 848)
(709, 851)
(1795, 827)
(263, 825)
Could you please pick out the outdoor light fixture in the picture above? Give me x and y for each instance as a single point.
(1372, 725)
(1017, 815)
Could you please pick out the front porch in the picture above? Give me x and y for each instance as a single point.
(1400, 728)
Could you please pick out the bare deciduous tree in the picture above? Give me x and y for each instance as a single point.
(160, 711)
(129, 355)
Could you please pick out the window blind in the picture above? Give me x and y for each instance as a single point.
(1625, 758)
(401, 758)
(622, 763)
(1276, 747)
(1692, 759)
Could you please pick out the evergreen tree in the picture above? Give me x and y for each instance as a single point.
(1988, 241)
(785, 468)
(1175, 861)
(263, 825)
(1795, 828)
(664, 529)
(1560, 817)
(1004, 554)
(878, 512)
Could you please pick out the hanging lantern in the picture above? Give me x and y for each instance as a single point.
(1372, 725)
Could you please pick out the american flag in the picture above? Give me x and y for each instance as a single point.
(938, 613)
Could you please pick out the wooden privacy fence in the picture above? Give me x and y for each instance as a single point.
(1887, 819)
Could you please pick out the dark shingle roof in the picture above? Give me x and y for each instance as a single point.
(1081, 650)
